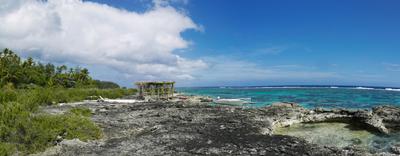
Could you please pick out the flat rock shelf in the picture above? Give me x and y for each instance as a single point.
(191, 127)
(340, 134)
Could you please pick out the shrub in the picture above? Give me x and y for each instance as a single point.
(7, 95)
(32, 133)
(25, 131)
(77, 126)
(81, 111)
(44, 130)
(7, 149)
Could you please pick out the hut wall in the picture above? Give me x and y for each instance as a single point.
(156, 89)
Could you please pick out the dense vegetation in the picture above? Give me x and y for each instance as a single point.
(28, 73)
(105, 84)
(26, 85)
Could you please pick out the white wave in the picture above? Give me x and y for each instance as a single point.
(333, 87)
(238, 101)
(246, 99)
(391, 89)
(364, 88)
(284, 87)
(296, 87)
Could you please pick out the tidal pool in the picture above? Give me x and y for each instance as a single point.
(340, 135)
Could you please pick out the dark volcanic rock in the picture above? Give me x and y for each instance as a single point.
(390, 116)
(395, 149)
(187, 128)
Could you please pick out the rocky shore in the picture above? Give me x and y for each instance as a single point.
(190, 126)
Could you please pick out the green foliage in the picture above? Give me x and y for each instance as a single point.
(23, 130)
(78, 126)
(30, 134)
(7, 149)
(7, 95)
(44, 130)
(81, 111)
(48, 96)
(26, 85)
(105, 84)
(29, 74)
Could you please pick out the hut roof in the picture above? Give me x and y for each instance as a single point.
(154, 82)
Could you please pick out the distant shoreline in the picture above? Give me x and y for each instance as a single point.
(307, 96)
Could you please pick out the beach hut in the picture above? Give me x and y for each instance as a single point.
(156, 89)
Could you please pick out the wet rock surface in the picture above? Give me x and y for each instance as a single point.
(195, 128)
(389, 116)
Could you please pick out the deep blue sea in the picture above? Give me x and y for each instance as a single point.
(307, 96)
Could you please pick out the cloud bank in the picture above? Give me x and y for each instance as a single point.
(138, 45)
(223, 70)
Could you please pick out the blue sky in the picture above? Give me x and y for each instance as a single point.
(356, 39)
(278, 42)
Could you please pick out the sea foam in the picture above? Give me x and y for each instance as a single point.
(364, 88)
(391, 89)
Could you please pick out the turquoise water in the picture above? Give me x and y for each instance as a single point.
(309, 97)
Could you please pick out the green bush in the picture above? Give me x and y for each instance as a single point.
(7, 95)
(32, 133)
(44, 130)
(25, 131)
(48, 96)
(77, 126)
(105, 84)
(7, 149)
(81, 111)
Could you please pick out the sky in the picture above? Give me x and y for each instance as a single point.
(212, 42)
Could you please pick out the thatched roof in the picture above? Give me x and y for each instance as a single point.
(141, 83)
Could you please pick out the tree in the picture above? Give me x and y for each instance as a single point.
(29, 73)
(62, 69)
(10, 67)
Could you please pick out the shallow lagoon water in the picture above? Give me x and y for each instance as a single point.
(338, 134)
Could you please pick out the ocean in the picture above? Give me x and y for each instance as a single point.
(357, 97)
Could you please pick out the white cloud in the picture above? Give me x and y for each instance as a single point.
(167, 2)
(141, 45)
(271, 50)
(392, 67)
(223, 70)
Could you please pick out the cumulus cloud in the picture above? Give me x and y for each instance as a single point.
(140, 45)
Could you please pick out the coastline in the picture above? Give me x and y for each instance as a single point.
(324, 97)
(193, 127)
